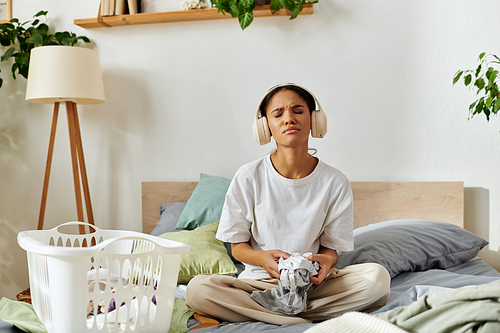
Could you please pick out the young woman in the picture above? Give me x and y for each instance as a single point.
(288, 202)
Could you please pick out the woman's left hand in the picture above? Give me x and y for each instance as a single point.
(326, 259)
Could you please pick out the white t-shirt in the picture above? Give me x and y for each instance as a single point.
(292, 215)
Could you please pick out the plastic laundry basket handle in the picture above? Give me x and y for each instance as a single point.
(144, 237)
(76, 223)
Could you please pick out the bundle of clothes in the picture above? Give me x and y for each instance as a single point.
(294, 286)
(108, 313)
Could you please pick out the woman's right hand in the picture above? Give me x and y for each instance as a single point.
(265, 259)
(269, 261)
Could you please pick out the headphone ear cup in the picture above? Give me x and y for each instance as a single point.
(261, 131)
(318, 124)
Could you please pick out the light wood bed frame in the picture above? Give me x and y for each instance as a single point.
(373, 201)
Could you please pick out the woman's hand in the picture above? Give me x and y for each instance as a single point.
(326, 259)
(269, 261)
(265, 259)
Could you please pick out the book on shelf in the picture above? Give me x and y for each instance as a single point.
(103, 7)
(133, 7)
(121, 7)
(107, 7)
(112, 7)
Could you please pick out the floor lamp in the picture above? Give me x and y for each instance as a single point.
(70, 75)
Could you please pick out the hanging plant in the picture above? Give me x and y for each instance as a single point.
(243, 9)
(21, 38)
(485, 79)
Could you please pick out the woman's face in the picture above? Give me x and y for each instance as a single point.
(289, 118)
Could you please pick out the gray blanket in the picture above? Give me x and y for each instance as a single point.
(463, 310)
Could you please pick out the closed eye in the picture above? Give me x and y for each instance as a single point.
(298, 109)
(277, 112)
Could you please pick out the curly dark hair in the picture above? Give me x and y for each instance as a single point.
(302, 93)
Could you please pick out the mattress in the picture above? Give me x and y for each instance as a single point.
(406, 288)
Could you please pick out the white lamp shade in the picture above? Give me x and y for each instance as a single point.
(64, 73)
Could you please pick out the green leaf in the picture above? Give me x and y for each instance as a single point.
(41, 13)
(36, 39)
(496, 107)
(488, 72)
(457, 76)
(84, 38)
(296, 10)
(489, 100)
(494, 90)
(491, 80)
(61, 35)
(494, 75)
(481, 56)
(289, 4)
(8, 53)
(247, 5)
(245, 19)
(14, 67)
(6, 26)
(43, 29)
(15, 35)
(479, 107)
(479, 84)
(478, 70)
(23, 70)
(275, 6)
(70, 41)
(22, 58)
(234, 10)
(467, 79)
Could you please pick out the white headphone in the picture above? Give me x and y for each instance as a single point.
(261, 131)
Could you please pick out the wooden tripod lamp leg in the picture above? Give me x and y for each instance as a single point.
(48, 166)
(83, 169)
(74, 160)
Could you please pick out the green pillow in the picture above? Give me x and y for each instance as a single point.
(208, 254)
(205, 204)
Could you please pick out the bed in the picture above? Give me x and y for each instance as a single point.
(414, 229)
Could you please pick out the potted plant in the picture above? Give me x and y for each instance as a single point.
(485, 80)
(21, 38)
(243, 9)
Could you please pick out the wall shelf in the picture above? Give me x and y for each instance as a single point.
(178, 16)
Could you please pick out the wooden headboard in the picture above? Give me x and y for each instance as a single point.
(373, 201)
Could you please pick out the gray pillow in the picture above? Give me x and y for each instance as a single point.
(169, 215)
(412, 245)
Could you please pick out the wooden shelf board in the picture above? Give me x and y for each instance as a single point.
(178, 16)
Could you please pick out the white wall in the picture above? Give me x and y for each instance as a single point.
(181, 98)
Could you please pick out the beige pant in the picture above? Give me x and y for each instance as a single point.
(363, 287)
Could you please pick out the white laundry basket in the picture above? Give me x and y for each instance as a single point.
(126, 278)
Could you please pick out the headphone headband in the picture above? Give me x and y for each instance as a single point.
(260, 127)
(276, 87)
